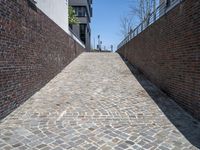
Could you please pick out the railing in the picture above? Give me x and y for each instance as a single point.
(161, 10)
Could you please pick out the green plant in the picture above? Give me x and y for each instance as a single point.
(73, 20)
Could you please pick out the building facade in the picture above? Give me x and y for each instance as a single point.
(57, 11)
(83, 10)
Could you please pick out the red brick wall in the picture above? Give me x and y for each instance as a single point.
(33, 49)
(168, 53)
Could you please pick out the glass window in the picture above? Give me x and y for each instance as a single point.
(83, 32)
(80, 11)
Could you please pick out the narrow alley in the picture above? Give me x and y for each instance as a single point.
(96, 102)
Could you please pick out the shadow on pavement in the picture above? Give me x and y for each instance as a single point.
(186, 124)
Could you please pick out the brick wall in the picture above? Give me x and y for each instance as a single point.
(33, 49)
(168, 53)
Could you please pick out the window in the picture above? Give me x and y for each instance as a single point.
(83, 32)
(80, 11)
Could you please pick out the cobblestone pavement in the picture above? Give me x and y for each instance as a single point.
(97, 103)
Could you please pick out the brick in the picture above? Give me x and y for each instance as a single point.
(33, 49)
(168, 53)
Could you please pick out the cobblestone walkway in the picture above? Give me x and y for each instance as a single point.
(97, 103)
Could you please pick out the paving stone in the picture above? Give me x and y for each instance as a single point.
(105, 147)
(46, 148)
(23, 148)
(92, 148)
(124, 146)
(58, 148)
(97, 103)
(17, 145)
(41, 146)
(130, 142)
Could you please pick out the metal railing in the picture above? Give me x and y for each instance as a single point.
(161, 10)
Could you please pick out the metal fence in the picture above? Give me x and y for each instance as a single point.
(161, 10)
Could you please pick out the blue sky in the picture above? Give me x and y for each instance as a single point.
(106, 20)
